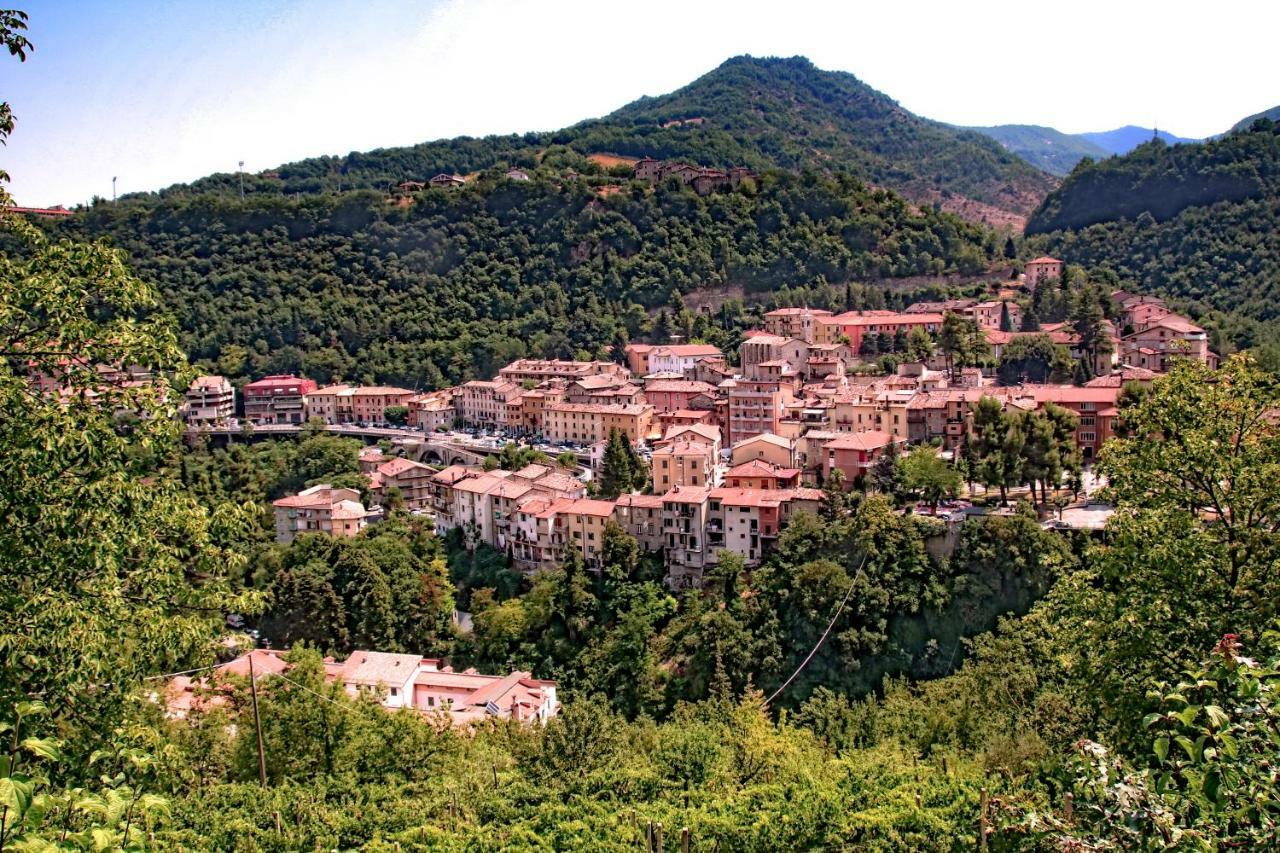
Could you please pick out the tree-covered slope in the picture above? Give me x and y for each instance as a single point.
(754, 112)
(1272, 114)
(1047, 149)
(1163, 180)
(796, 115)
(459, 282)
(1195, 222)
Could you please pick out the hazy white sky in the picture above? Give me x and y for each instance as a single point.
(161, 92)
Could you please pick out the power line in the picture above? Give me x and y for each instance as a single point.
(183, 672)
(823, 638)
(330, 700)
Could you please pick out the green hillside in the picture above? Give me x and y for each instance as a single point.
(461, 281)
(1199, 223)
(755, 112)
(1272, 114)
(1047, 149)
(1162, 180)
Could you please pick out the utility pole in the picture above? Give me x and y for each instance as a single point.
(242, 180)
(113, 188)
(257, 721)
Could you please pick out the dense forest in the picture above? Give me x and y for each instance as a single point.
(1198, 223)
(760, 113)
(1045, 148)
(462, 281)
(1162, 180)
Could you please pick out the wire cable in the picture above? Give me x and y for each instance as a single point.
(823, 638)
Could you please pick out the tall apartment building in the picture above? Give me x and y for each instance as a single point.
(757, 406)
(322, 403)
(210, 400)
(483, 403)
(369, 403)
(279, 399)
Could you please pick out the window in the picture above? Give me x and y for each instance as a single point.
(1088, 437)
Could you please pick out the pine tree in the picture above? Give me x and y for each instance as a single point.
(620, 342)
(616, 467)
(1006, 319)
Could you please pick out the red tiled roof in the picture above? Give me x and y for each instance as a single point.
(644, 501)
(398, 466)
(870, 440)
(1044, 259)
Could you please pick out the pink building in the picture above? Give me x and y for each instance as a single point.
(1040, 269)
(279, 399)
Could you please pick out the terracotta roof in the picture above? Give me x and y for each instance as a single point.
(645, 501)
(880, 318)
(584, 506)
(381, 391)
(1044, 259)
(762, 468)
(685, 350)
(374, 668)
(766, 437)
(751, 497)
(707, 431)
(792, 312)
(679, 386)
(452, 474)
(1070, 394)
(687, 495)
(870, 440)
(397, 467)
(597, 408)
(265, 662)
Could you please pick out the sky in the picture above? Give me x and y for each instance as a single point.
(156, 93)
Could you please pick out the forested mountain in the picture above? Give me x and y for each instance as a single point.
(1122, 140)
(461, 281)
(749, 111)
(1047, 149)
(1200, 222)
(1245, 123)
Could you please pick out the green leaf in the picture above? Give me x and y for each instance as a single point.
(15, 793)
(1161, 748)
(43, 747)
(1187, 746)
(1217, 717)
(1188, 714)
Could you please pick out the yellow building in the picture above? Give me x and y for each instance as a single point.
(586, 423)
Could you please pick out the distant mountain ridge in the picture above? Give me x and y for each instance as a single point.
(1058, 153)
(1122, 140)
(1045, 148)
(755, 112)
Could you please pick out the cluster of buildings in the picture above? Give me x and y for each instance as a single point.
(289, 399)
(398, 681)
(734, 449)
(703, 180)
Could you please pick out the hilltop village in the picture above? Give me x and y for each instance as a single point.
(722, 455)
